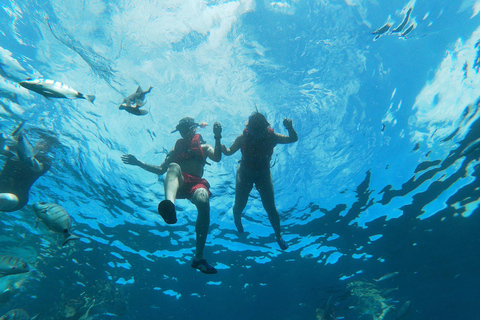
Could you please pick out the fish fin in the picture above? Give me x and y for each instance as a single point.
(141, 112)
(149, 89)
(139, 89)
(122, 107)
(90, 98)
(69, 238)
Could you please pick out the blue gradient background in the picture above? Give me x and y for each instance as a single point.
(383, 179)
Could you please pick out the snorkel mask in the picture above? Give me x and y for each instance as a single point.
(185, 125)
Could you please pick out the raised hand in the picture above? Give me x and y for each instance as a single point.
(288, 123)
(130, 159)
(217, 130)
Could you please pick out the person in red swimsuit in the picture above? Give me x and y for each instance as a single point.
(256, 144)
(184, 166)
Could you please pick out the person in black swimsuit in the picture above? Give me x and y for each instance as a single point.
(22, 168)
(256, 144)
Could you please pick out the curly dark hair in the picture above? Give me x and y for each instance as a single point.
(258, 121)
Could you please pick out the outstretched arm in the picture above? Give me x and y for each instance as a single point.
(292, 134)
(132, 160)
(237, 144)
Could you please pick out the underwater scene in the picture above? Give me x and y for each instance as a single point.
(239, 159)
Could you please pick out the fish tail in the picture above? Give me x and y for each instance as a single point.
(69, 238)
(90, 98)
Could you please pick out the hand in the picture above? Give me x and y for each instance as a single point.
(224, 149)
(217, 130)
(288, 123)
(130, 159)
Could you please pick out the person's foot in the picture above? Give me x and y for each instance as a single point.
(166, 209)
(238, 224)
(282, 243)
(203, 266)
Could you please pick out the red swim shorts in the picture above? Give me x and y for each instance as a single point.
(191, 184)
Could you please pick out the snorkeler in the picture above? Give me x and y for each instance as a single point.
(24, 165)
(184, 166)
(256, 144)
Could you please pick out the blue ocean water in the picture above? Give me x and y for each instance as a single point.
(378, 199)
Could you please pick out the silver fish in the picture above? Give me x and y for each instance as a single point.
(135, 101)
(56, 218)
(54, 89)
(404, 22)
(17, 314)
(10, 265)
(387, 276)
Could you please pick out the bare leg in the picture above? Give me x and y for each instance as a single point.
(242, 189)
(200, 199)
(173, 181)
(265, 188)
(8, 201)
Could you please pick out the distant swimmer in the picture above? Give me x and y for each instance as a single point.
(23, 166)
(404, 22)
(54, 89)
(137, 98)
(256, 144)
(135, 101)
(56, 218)
(184, 166)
